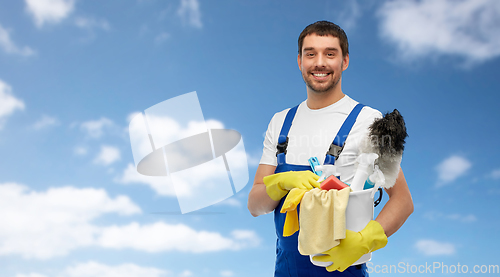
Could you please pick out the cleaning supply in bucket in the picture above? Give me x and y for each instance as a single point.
(377, 177)
(365, 169)
(386, 137)
(332, 182)
(358, 213)
(313, 162)
(327, 171)
(322, 220)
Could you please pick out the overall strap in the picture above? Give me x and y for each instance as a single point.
(339, 141)
(283, 138)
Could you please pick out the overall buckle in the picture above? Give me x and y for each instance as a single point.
(282, 147)
(335, 150)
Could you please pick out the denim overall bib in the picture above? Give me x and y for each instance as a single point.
(289, 262)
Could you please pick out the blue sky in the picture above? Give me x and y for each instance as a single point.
(72, 72)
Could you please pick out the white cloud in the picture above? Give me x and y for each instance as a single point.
(10, 47)
(253, 159)
(95, 128)
(167, 130)
(107, 155)
(230, 202)
(8, 103)
(189, 11)
(348, 16)
(30, 275)
(92, 23)
(439, 216)
(435, 248)
(160, 237)
(93, 269)
(51, 223)
(47, 224)
(49, 11)
(452, 168)
(186, 273)
(465, 28)
(226, 273)
(45, 121)
(495, 174)
(80, 150)
(160, 184)
(188, 161)
(159, 39)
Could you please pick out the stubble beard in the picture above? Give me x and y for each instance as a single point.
(317, 88)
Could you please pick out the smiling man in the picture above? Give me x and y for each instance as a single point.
(307, 130)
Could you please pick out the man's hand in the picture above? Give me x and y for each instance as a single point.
(355, 245)
(278, 185)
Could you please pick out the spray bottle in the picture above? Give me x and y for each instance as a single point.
(327, 171)
(366, 163)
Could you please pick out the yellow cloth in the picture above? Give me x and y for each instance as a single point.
(290, 207)
(322, 220)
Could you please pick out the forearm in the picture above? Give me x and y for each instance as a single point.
(259, 202)
(398, 208)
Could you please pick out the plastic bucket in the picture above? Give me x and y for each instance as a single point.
(358, 213)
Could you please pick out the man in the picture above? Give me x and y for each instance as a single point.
(323, 56)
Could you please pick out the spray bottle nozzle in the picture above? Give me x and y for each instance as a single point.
(328, 170)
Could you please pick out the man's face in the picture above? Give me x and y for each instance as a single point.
(322, 62)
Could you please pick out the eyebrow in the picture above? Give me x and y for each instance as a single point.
(328, 49)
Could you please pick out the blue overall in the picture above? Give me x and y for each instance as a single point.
(289, 262)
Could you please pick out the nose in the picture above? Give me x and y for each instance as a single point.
(320, 60)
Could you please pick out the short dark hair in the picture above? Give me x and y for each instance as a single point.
(324, 28)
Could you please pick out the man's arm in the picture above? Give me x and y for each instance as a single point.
(259, 202)
(398, 208)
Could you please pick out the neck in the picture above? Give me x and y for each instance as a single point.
(319, 100)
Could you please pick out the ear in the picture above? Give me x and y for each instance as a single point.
(299, 62)
(345, 62)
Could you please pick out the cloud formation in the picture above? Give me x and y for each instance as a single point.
(189, 11)
(495, 174)
(95, 128)
(349, 15)
(93, 269)
(92, 23)
(107, 155)
(452, 168)
(161, 237)
(51, 223)
(49, 11)
(439, 216)
(160, 184)
(435, 248)
(45, 121)
(465, 28)
(9, 47)
(8, 103)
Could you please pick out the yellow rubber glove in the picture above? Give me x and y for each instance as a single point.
(355, 245)
(278, 185)
(290, 208)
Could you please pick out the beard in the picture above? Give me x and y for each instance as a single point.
(322, 87)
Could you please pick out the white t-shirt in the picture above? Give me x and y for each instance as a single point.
(313, 131)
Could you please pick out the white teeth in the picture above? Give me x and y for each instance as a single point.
(320, 74)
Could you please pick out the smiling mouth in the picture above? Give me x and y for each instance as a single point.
(320, 75)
